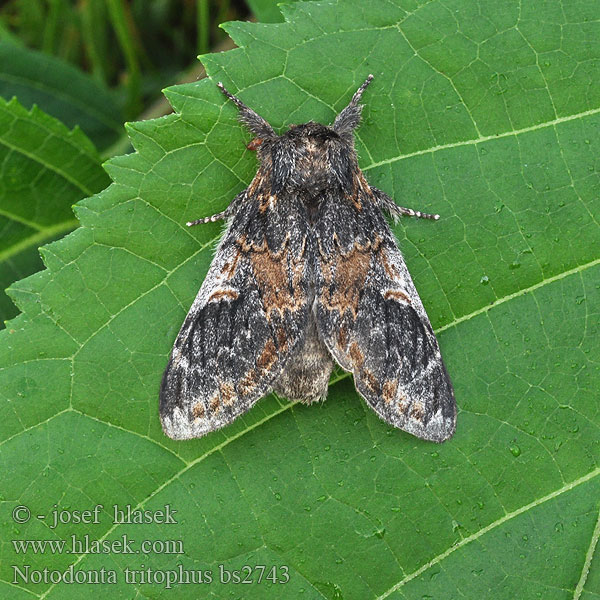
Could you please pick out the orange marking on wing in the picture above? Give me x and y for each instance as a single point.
(364, 184)
(396, 295)
(354, 197)
(271, 273)
(388, 391)
(249, 247)
(342, 338)
(222, 294)
(229, 268)
(388, 266)
(360, 189)
(266, 202)
(282, 339)
(356, 355)
(214, 404)
(198, 410)
(267, 357)
(263, 203)
(417, 411)
(228, 395)
(247, 383)
(402, 403)
(342, 290)
(371, 381)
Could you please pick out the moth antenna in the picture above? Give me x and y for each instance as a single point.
(253, 121)
(349, 118)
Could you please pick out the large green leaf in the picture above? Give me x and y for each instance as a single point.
(485, 112)
(45, 169)
(61, 90)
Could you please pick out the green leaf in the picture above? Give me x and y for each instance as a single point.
(61, 90)
(45, 169)
(483, 112)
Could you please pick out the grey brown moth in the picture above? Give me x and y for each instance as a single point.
(307, 274)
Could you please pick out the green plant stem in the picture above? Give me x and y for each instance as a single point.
(53, 21)
(94, 29)
(118, 17)
(203, 25)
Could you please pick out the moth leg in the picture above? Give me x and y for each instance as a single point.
(386, 204)
(254, 122)
(222, 215)
(228, 212)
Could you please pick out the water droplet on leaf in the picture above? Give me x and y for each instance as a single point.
(559, 527)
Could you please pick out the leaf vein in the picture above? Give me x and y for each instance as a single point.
(490, 527)
(485, 138)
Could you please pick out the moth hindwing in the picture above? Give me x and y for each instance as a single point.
(307, 274)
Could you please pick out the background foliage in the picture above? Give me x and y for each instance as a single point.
(483, 112)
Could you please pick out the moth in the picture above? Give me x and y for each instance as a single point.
(307, 274)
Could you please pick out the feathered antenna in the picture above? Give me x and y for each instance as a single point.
(253, 121)
(349, 118)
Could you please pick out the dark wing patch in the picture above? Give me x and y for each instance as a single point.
(373, 322)
(247, 319)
